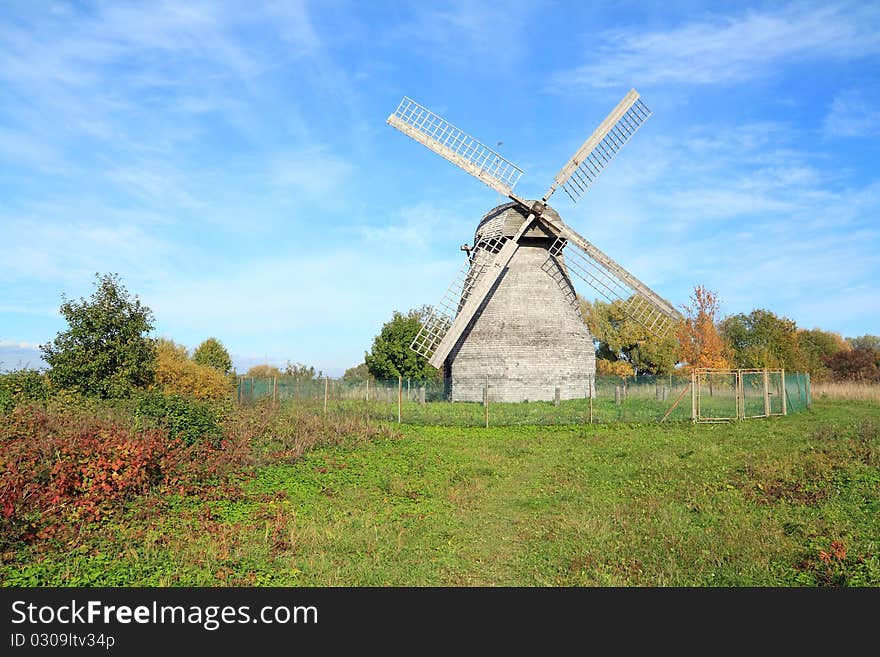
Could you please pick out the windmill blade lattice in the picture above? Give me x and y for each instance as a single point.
(455, 145)
(614, 283)
(597, 151)
(437, 323)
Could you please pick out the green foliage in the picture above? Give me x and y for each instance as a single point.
(391, 356)
(20, 386)
(191, 420)
(213, 354)
(816, 347)
(761, 339)
(357, 373)
(105, 351)
(622, 338)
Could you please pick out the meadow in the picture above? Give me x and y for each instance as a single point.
(333, 501)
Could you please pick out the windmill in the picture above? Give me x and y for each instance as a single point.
(511, 313)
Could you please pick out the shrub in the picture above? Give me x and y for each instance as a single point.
(177, 375)
(263, 371)
(20, 386)
(191, 420)
(61, 469)
(621, 368)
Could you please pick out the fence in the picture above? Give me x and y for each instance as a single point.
(721, 395)
(600, 399)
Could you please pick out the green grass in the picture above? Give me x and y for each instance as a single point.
(791, 501)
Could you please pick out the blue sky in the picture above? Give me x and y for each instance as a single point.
(231, 160)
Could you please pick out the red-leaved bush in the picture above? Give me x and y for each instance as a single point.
(67, 469)
(67, 465)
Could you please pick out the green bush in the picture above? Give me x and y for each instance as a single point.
(20, 386)
(189, 419)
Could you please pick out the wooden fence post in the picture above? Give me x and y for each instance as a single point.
(399, 395)
(326, 386)
(486, 402)
(556, 396)
(766, 393)
(784, 405)
(591, 382)
(274, 390)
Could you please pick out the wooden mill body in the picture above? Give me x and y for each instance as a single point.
(528, 336)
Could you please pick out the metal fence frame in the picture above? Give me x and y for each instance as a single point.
(772, 388)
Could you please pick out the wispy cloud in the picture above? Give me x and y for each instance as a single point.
(854, 113)
(725, 49)
(476, 34)
(314, 172)
(73, 252)
(415, 227)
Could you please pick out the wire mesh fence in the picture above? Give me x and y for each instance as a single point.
(708, 396)
(720, 395)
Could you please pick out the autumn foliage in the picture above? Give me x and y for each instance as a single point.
(700, 344)
(64, 469)
(176, 374)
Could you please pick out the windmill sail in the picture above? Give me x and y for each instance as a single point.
(448, 320)
(613, 282)
(596, 152)
(455, 145)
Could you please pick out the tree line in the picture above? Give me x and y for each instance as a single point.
(107, 352)
(704, 338)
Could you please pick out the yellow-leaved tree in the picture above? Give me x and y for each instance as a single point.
(621, 368)
(700, 344)
(176, 374)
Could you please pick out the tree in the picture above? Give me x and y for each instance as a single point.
(619, 368)
(865, 342)
(700, 344)
(861, 364)
(302, 372)
(622, 338)
(176, 374)
(391, 356)
(357, 373)
(816, 347)
(106, 350)
(263, 371)
(212, 353)
(761, 339)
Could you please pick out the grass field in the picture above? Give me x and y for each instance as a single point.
(791, 501)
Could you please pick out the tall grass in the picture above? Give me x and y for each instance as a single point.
(847, 390)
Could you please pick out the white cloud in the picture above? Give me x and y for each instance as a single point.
(722, 49)
(18, 345)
